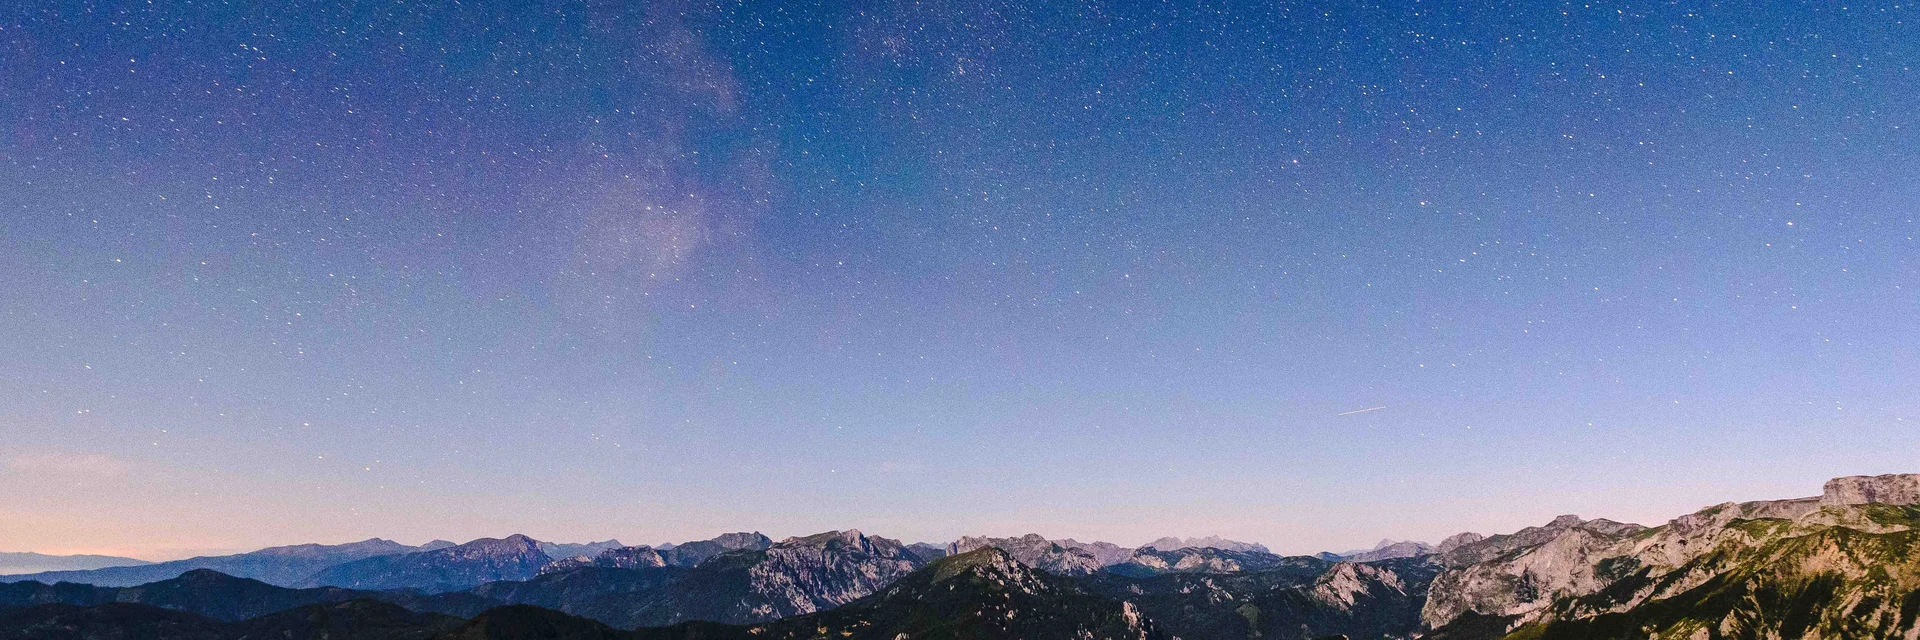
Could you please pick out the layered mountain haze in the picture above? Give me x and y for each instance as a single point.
(28, 563)
(454, 568)
(286, 565)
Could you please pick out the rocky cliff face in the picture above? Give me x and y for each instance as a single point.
(984, 593)
(1105, 553)
(621, 558)
(1349, 584)
(693, 553)
(1034, 551)
(1456, 541)
(1149, 561)
(1521, 574)
(822, 571)
(1899, 489)
(1572, 572)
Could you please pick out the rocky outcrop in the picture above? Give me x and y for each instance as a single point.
(1034, 551)
(1495, 546)
(621, 558)
(1523, 573)
(1456, 541)
(826, 570)
(1349, 583)
(1149, 561)
(1209, 542)
(693, 553)
(1893, 489)
(1105, 553)
(1573, 569)
(573, 550)
(1389, 550)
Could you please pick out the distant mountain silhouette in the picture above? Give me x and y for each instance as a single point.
(455, 568)
(21, 563)
(285, 566)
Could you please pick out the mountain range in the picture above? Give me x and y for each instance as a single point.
(1836, 565)
(27, 563)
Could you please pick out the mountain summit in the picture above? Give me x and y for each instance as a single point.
(465, 566)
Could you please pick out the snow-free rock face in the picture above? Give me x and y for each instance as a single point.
(1210, 542)
(1034, 551)
(1149, 561)
(1520, 574)
(620, 558)
(1349, 583)
(1893, 489)
(1106, 553)
(1560, 571)
(1456, 541)
(693, 553)
(825, 570)
(1389, 550)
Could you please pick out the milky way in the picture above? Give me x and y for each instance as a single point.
(287, 272)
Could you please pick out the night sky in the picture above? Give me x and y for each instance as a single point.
(283, 272)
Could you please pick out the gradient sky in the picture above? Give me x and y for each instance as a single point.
(283, 272)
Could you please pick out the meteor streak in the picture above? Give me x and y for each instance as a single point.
(1360, 411)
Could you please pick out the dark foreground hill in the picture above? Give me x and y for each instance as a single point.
(350, 620)
(214, 595)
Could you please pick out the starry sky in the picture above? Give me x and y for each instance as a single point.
(279, 272)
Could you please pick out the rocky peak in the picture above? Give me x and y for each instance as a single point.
(1891, 489)
(1210, 542)
(989, 563)
(362, 549)
(927, 552)
(1458, 540)
(1565, 522)
(1106, 553)
(1149, 561)
(512, 545)
(741, 540)
(640, 557)
(1346, 583)
(1033, 551)
(693, 553)
(849, 540)
(1390, 550)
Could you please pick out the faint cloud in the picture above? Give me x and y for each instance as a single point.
(91, 465)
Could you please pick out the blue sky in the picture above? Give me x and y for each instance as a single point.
(1103, 270)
